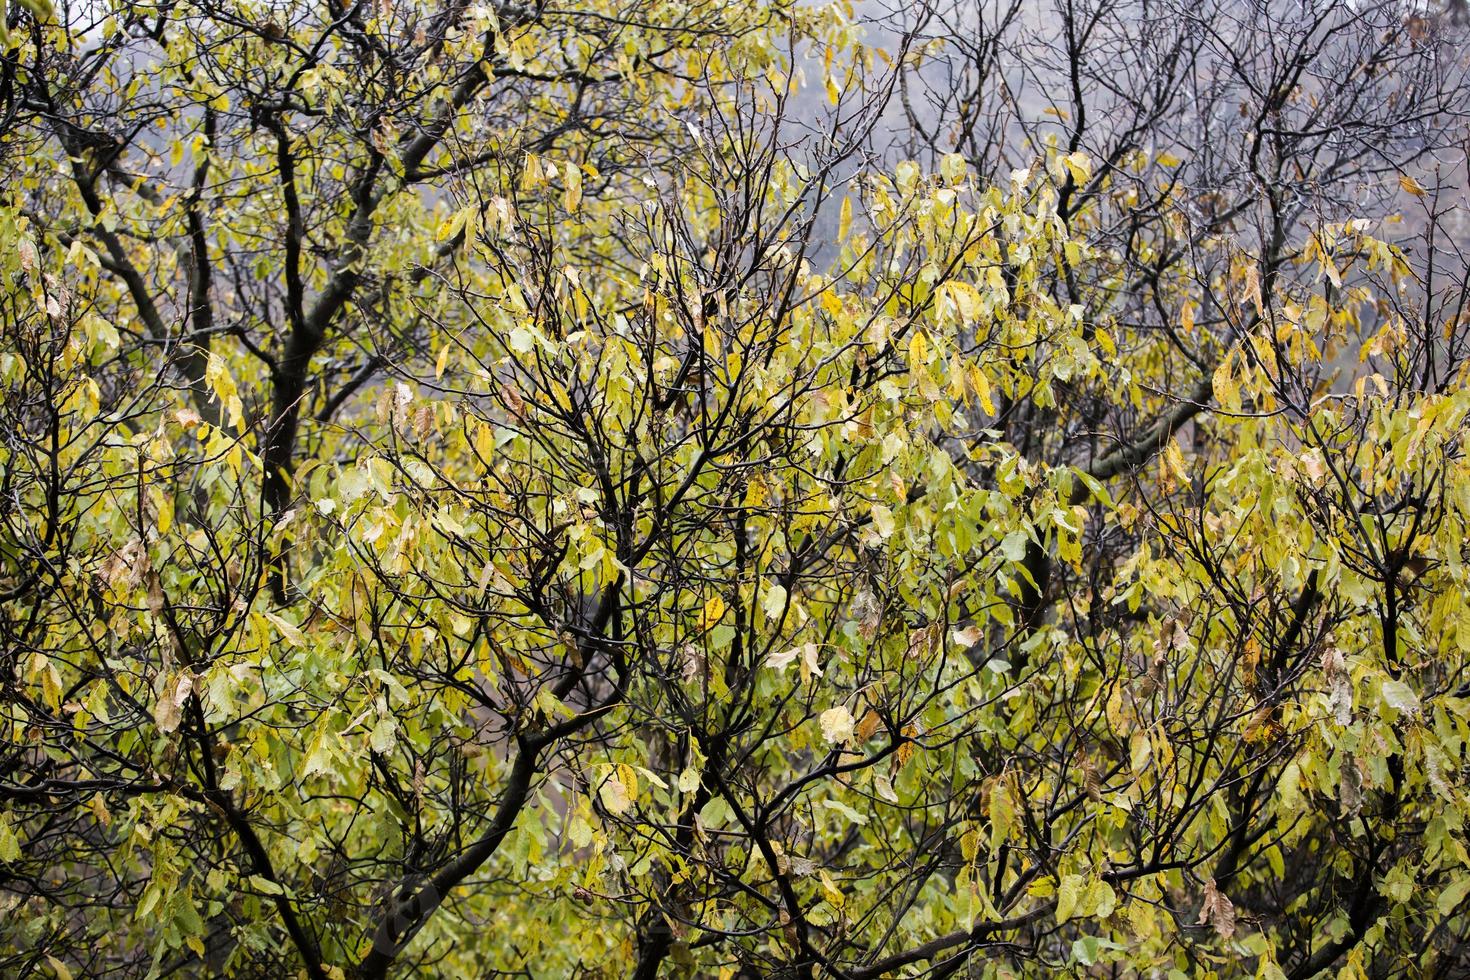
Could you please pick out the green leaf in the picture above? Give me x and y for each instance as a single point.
(1452, 899)
(9, 843)
(265, 886)
(1401, 697)
(839, 807)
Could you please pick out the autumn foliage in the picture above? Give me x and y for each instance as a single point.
(696, 489)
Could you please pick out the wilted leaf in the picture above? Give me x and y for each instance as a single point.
(1217, 911)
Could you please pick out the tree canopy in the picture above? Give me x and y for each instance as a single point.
(676, 488)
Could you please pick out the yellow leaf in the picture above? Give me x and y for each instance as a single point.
(484, 441)
(714, 611)
(1224, 385)
(838, 725)
(1080, 166)
(572, 195)
(1140, 749)
(883, 521)
(688, 780)
(218, 378)
(953, 167)
(452, 225)
(956, 386)
(918, 349)
(620, 790)
(288, 632)
(965, 297)
(980, 385)
(1068, 891)
(1410, 185)
(1175, 459)
(844, 220)
(834, 897)
(164, 507)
